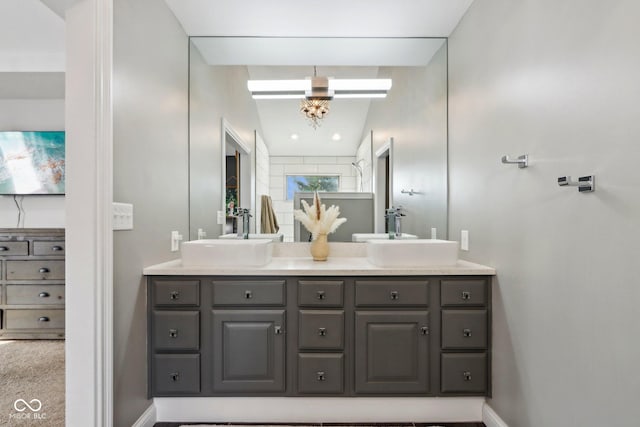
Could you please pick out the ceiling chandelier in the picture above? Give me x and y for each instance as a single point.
(316, 92)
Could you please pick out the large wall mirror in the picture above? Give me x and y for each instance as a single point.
(391, 149)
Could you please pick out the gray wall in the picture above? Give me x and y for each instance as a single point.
(415, 115)
(150, 170)
(559, 81)
(32, 114)
(216, 92)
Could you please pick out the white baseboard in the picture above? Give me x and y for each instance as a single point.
(148, 417)
(318, 409)
(490, 418)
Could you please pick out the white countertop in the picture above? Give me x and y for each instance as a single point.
(305, 266)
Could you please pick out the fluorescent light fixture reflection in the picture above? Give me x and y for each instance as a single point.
(341, 88)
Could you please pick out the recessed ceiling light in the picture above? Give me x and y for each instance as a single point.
(295, 136)
(336, 137)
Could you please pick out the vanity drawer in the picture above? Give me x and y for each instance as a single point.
(48, 247)
(464, 373)
(463, 292)
(464, 329)
(321, 329)
(14, 248)
(35, 294)
(320, 373)
(34, 319)
(320, 293)
(176, 373)
(392, 293)
(176, 330)
(35, 270)
(248, 292)
(176, 292)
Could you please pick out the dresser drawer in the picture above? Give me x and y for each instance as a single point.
(248, 292)
(35, 270)
(320, 293)
(14, 248)
(48, 247)
(176, 292)
(35, 294)
(320, 373)
(464, 373)
(464, 329)
(321, 329)
(34, 319)
(176, 330)
(463, 292)
(392, 293)
(176, 373)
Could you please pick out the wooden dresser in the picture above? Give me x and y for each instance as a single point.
(32, 283)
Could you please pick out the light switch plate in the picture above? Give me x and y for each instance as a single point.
(434, 233)
(122, 216)
(464, 240)
(221, 217)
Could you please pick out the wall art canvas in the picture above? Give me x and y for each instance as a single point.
(32, 162)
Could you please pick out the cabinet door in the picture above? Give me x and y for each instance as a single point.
(392, 352)
(248, 351)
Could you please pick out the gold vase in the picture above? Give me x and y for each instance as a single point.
(320, 248)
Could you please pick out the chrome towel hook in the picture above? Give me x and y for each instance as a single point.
(521, 161)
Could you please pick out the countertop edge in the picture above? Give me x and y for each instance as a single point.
(305, 267)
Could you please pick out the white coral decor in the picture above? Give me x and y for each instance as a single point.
(317, 219)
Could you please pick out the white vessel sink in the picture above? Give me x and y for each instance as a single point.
(412, 252)
(364, 237)
(276, 237)
(227, 253)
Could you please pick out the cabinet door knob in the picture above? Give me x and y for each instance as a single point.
(43, 270)
(466, 332)
(56, 248)
(43, 294)
(320, 376)
(248, 294)
(424, 330)
(466, 295)
(43, 319)
(175, 376)
(3, 248)
(322, 332)
(173, 333)
(394, 295)
(174, 295)
(466, 375)
(278, 330)
(320, 295)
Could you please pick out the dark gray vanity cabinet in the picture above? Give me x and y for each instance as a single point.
(319, 336)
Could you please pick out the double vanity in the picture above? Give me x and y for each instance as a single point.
(359, 324)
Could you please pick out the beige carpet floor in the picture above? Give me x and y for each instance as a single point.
(32, 383)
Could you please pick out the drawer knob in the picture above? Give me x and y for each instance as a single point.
(175, 376)
(248, 294)
(394, 295)
(56, 248)
(466, 375)
(4, 248)
(173, 333)
(278, 330)
(320, 376)
(322, 332)
(44, 270)
(320, 295)
(174, 295)
(466, 332)
(43, 319)
(424, 330)
(43, 294)
(466, 295)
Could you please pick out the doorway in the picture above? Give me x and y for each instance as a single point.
(383, 184)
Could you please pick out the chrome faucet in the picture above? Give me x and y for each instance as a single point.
(393, 216)
(245, 214)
